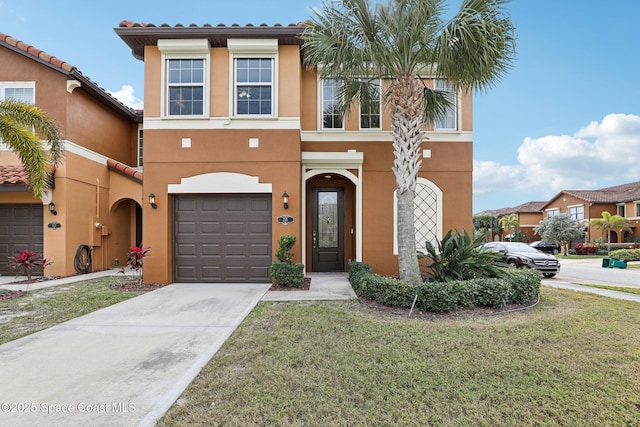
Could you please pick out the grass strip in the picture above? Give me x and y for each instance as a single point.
(571, 360)
(615, 288)
(43, 308)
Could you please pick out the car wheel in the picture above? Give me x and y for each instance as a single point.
(555, 251)
(549, 275)
(512, 264)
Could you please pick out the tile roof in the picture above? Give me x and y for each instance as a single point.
(617, 194)
(527, 207)
(64, 67)
(13, 175)
(125, 170)
(138, 35)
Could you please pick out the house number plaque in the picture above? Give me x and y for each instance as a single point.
(285, 219)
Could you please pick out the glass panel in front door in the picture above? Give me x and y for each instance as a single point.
(327, 219)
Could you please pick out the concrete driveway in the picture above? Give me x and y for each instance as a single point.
(124, 365)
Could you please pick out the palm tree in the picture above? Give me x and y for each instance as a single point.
(609, 223)
(18, 121)
(357, 43)
(510, 224)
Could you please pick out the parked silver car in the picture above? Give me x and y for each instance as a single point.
(518, 254)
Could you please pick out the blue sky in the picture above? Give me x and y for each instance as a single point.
(567, 116)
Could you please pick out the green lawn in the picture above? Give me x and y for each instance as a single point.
(615, 288)
(572, 360)
(41, 309)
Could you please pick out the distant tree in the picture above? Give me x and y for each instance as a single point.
(560, 229)
(486, 225)
(509, 224)
(20, 125)
(609, 223)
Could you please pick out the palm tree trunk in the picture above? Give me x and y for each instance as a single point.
(408, 101)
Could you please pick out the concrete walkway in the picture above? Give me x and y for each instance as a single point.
(125, 365)
(560, 284)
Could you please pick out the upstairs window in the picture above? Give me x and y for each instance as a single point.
(576, 212)
(621, 210)
(448, 122)
(552, 212)
(370, 106)
(254, 79)
(140, 147)
(18, 91)
(331, 117)
(637, 205)
(185, 81)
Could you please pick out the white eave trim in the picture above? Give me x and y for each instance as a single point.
(184, 46)
(253, 46)
(379, 136)
(348, 160)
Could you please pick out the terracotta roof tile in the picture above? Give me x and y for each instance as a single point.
(124, 169)
(13, 175)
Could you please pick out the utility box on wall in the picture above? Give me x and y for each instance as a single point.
(95, 231)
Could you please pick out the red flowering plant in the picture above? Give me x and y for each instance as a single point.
(26, 262)
(135, 260)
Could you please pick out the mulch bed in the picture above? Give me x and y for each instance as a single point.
(459, 314)
(305, 286)
(6, 294)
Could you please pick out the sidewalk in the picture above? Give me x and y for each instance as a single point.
(559, 284)
(125, 365)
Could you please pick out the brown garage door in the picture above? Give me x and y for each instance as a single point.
(222, 238)
(20, 229)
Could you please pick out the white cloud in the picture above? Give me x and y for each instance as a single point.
(605, 151)
(125, 95)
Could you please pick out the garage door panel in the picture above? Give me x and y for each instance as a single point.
(21, 227)
(186, 249)
(233, 241)
(185, 228)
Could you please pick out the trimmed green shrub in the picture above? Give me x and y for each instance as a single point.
(285, 246)
(517, 286)
(356, 271)
(287, 273)
(525, 285)
(626, 254)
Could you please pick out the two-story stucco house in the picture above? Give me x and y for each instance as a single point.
(95, 203)
(242, 147)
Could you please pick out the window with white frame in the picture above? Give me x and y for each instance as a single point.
(185, 86)
(19, 91)
(331, 116)
(185, 75)
(254, 91)
(553, 212)
(576, 212)
(621, 210)
(637, 205)
(370, 106)
(140, 146)
(448, 122)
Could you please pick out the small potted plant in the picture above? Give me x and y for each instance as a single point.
(284, 271)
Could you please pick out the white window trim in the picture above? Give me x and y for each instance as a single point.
(321, 111)
(439, 213)
(575, 206)
(556, 210)
(185, 49)
(379, 109)
(17, 85)
(636, 208)
(251, 49)
(456, 108)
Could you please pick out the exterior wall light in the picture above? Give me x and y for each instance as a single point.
(52, 208)
(152, 201)
(285, 200)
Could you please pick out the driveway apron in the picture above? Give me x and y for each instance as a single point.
(124, 365)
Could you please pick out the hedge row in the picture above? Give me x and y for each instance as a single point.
(626, 254)
(518, 286)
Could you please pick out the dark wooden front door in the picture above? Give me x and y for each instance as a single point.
(327, 234)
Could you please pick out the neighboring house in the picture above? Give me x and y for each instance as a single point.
(585, 205)
(529, 215)
(233, 122)
(96, 196)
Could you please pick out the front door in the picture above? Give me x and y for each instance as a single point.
(327, 240)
